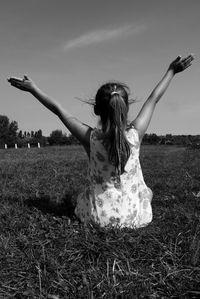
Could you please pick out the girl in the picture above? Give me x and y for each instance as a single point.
(117, 194)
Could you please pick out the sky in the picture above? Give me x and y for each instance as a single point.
(70, 48)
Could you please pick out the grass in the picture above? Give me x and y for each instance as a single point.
(44, 254)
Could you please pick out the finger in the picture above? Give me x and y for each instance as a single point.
(189, 64)
(26, 77)
(188, 58)
(19, 86)
(184, 61)
(16, 84)
(15, 79)
(191, 56)
(185, 66)
(178, 58)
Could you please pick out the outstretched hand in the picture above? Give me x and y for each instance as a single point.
(25, 84)
(180, 64)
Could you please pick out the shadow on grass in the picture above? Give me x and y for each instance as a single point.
(44, 203)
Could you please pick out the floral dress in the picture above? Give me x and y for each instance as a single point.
(108, 202)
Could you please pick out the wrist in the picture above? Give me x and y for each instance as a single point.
(171, 71)
(34, 89)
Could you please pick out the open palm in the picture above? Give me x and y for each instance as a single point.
(25, 84)
(180, 64)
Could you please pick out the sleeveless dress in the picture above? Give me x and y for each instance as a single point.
(106, 201)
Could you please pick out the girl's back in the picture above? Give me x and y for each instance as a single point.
(124, 201)
(117, 193)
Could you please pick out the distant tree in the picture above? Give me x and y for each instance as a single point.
(151, 139)
(168, 136)
(20, 135)
(154, 139)
(56, 137)
(39, 134)
(4, 127)
(66, 140)
(43, 141)
(8, 130)
(13, 128)
(73, 140)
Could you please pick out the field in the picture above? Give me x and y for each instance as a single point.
(44, 254)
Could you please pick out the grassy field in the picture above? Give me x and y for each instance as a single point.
(45, 255)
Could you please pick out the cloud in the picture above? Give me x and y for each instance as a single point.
(100, 36)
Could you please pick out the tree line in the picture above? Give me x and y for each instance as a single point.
(10, 135)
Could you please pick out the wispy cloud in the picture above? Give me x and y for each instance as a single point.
(99, 36)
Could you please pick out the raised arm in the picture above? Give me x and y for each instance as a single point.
(143, 119)
(77, 128)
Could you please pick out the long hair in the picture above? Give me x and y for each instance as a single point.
(112, 105)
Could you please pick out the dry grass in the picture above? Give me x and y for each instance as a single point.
(45, 255)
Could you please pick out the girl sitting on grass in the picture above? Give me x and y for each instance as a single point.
(117, 194)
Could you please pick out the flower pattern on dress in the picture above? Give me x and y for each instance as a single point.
(114, 220)
(145, 204)
(134, 188)
(116, 182)
(131, 217)
(108, 200)
(133, 170)
(108, 194)
(103, 213)
(99, 202)
(137, 145)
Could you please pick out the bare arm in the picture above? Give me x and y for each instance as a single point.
(143, 119)
(77, 128)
